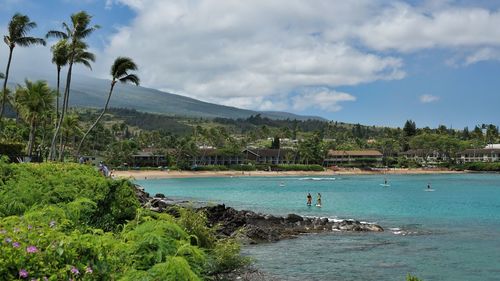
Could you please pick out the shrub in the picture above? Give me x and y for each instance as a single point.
(62, 222)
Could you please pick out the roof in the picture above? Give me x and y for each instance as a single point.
(346, 153)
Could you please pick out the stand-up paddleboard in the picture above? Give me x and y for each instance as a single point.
(385, 184)
(428, 189)
(282, 184)
(318, 205)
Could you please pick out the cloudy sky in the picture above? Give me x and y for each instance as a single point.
(369, 61)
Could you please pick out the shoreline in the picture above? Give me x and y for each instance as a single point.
(156, 174)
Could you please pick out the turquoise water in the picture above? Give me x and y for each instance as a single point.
(452, 233)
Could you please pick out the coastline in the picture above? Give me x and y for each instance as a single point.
(157, 174)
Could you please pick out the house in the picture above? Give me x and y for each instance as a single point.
(271, 156)
(479, 155)
(335, 157)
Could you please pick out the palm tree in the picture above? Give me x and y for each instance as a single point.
(120, 73)
(33, 101)
(19, 27)
(60, 59)
(70, 128)
(74, 33)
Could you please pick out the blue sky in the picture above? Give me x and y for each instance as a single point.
(372, 62)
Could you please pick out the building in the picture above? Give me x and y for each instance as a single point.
(271, 156)
(212, 156)
(424, 155)
(148, 158)
(335, 157)
(479, 155)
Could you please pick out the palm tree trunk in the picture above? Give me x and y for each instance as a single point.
(59, 122)
(58, 93)
(65, 110)
(97, 120)
(4, 92)
(31, 140)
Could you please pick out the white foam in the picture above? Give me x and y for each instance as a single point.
(317, 179)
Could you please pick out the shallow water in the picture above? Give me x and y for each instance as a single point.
(452, 233)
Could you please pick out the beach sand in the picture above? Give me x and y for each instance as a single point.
(156, 174)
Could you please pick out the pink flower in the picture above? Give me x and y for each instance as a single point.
(31, 249)
(88, 270)
(75, 270)
(30, 227)
(15, 245)
(23, 273)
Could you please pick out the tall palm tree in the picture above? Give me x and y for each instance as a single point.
(120, 73)
(19, 27)
(33, 101)
(75, 32)
(60, 59)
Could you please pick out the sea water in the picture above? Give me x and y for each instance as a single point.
(451, 233)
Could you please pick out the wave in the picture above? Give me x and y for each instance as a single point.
(317, 179)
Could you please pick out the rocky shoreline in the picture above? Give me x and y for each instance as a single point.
(252, 227)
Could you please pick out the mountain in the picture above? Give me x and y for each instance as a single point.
(92, 92)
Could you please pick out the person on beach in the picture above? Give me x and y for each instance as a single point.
(309, 199)
(318, 201)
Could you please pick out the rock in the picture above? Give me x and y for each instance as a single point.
(293, 218)
(257, 227)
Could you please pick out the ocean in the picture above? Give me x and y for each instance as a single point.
(451, 233)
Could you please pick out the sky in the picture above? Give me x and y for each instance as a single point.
(373, 62)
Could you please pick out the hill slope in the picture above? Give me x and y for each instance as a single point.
(92, 92)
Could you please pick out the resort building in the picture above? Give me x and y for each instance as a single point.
(212, 156)
(148, 158)
(271, 156)
(335, 157)
(479, 155)
(424, 155)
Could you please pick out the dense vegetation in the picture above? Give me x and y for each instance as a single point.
(66, 222)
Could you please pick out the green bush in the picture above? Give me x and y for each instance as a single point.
(210, 168)
(483, 166)
(412, 278)
(64, 222)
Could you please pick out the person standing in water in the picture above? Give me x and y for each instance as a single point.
(429, 186)
(309, 199)
(318, 201)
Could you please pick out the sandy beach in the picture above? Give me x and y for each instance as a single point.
(156, 174)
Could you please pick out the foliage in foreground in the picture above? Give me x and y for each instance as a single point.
(66, 222)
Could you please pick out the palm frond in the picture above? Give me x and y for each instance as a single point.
(2, 76)
(132, 78)
(56, 34)
(28, 41)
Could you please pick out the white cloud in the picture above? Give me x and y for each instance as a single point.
(483, 54)
(247, 54)
(428, 98)
(406, 28)
(322, 98)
